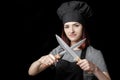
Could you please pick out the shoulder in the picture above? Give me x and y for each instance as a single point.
(93, 50)
(93, 53)
(56, 50)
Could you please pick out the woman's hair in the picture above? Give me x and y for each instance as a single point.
(84, 35)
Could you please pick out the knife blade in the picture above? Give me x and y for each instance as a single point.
(73, 46)
(67, 48)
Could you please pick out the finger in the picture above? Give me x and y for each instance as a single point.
(85, 68)
(42, 60)
(81, 62)
(77, 59)
(57, 56)
(84, 64)
(52, 57)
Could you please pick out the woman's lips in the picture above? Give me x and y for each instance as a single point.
(72, 35)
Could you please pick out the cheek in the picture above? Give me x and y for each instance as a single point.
(79, 31)
(66, 31)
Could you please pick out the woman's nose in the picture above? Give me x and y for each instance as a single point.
(71, 30)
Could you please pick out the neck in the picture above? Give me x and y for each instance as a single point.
(77, 48)
(72, 43)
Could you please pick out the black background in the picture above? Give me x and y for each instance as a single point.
(37, 23)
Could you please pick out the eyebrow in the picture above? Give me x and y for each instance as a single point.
(72, 24)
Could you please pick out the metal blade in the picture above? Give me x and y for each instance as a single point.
(67, 48)
(73, 46)
(78, 43)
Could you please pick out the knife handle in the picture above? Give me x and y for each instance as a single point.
(77, 59)
(57, 56)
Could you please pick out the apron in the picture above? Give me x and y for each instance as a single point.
(66, 70)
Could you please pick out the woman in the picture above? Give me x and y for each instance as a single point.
(74, 15)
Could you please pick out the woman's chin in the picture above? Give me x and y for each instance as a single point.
(73, 40)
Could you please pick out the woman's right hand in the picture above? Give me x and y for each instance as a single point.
(42, 63)
(48, 60)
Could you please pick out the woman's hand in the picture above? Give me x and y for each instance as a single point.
(87, 65)
(47, 60)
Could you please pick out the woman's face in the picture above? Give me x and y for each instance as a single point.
(73, 31)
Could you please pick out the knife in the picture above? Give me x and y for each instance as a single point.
(73, 46)
(69, 49)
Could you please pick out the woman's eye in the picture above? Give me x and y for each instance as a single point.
(76, 25)
(66, 26)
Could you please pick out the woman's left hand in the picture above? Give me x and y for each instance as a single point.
(87, 65)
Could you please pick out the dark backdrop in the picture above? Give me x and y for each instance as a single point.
(38, 23)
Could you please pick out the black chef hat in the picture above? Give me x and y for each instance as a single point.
(76, 11)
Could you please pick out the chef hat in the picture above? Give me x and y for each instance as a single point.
(77, 11)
